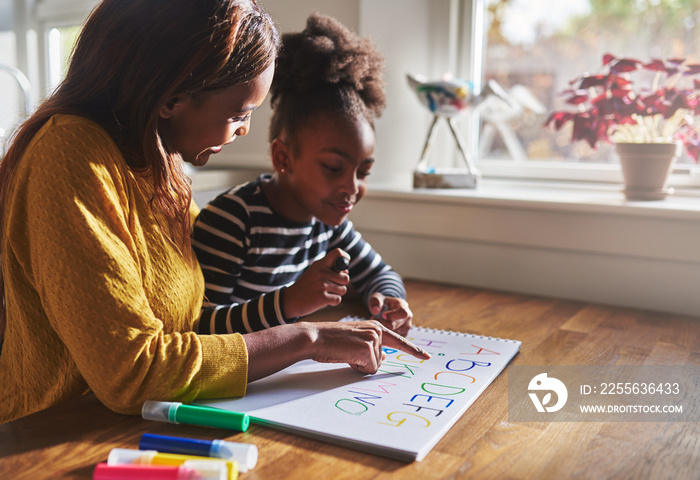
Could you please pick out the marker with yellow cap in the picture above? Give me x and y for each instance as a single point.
(125, 456)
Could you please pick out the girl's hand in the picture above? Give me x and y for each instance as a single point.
(319, 286)
(392, 312)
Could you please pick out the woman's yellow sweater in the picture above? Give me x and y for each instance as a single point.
(97, 298)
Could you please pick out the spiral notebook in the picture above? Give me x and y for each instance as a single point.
(401, 412)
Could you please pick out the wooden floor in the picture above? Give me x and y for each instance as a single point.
(556, 332)
(483, 444)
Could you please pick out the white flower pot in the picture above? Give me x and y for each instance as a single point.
(645, 168)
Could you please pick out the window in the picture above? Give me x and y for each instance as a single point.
(11, 88)
(36, 38)
(57, 24)
(60, 42)
(533, 48)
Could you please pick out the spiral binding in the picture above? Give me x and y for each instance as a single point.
(436, 330)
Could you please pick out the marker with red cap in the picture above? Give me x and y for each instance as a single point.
(126, 456)
(190, 470)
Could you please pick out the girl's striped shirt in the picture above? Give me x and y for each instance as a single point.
(249, 256)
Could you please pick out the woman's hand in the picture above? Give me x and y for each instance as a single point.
(358, 344)
(392, 312)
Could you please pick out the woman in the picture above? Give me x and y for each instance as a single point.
(101, 288)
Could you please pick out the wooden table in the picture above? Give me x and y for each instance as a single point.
(67, 441)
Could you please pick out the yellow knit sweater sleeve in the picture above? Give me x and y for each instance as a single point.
(97, 296)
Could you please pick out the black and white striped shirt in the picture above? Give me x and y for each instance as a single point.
(249, 255)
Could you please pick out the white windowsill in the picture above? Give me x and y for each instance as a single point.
(554, 195)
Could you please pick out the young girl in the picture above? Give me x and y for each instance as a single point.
(267, 248)
(101, 288)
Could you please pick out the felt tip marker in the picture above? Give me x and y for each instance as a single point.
(176, 412)
(245, 454)
(127, 456)
(192, 470)
(341, 263)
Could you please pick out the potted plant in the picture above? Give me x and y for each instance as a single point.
(640, 120)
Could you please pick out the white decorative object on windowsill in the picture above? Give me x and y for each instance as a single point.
(448, 99)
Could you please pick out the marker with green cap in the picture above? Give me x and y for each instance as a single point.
(176, 412)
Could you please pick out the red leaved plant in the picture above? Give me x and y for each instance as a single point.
(610, 108)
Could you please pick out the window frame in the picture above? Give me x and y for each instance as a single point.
(472, 65)
(44, 16)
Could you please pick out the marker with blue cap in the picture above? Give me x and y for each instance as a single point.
(245, 454)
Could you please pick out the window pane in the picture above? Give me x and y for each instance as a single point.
(61, 41)
(11, 108)
(535, 47)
